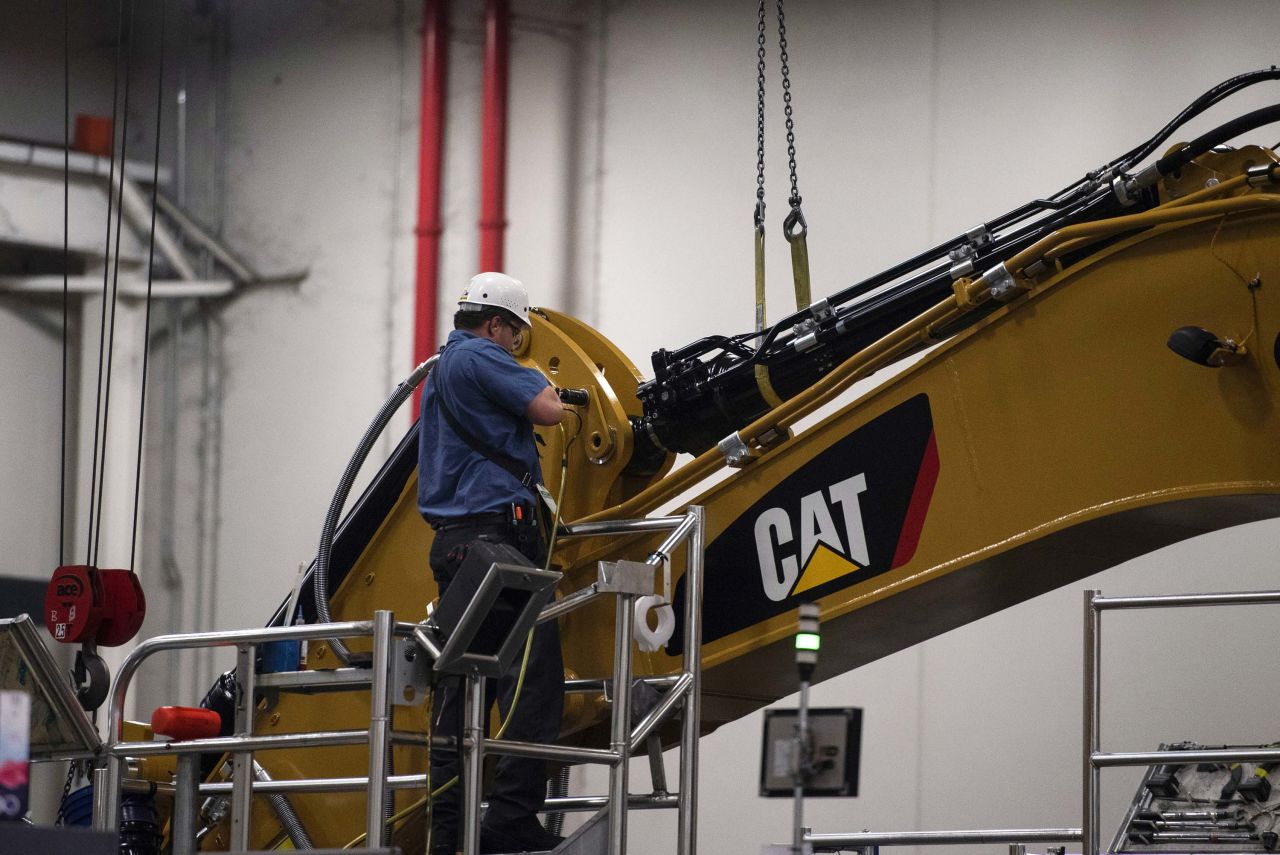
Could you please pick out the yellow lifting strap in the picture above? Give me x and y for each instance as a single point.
(767, 391)
(760, 314)
(762, 371)
(796, 230)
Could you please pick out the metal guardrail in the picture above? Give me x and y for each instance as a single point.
(943, 838)
(683, 690)
(242, 745)
(1094, 760)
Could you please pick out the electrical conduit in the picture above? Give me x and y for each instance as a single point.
(435, 62)
(493, 152)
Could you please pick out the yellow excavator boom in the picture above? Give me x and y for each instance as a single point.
(1044, 433)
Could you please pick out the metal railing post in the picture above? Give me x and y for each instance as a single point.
(185, 797)
(379, 728)
(242, 781)
(620, 726)
(473, 765)
(106, 794)
(1092, 681)
(797, 791)
(687, 823)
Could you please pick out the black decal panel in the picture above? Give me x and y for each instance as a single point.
(755, 569)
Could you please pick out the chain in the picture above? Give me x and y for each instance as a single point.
(786, 100)
(760, 54)
(72, 767)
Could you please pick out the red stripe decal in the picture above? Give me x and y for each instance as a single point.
(912, 525)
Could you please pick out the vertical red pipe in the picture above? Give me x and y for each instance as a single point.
(435, 59)
(493, 171)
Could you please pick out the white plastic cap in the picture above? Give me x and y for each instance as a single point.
(496, 289)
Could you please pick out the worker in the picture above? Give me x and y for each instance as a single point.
(477, 476)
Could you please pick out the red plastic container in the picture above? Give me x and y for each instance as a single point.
(180, 723)
(93, 135)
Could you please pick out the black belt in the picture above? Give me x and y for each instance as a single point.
(473, 521)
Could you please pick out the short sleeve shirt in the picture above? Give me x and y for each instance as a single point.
(489, 393)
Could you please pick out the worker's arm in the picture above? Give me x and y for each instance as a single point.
(545, 409)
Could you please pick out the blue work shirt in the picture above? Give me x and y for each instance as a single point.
(489, 393)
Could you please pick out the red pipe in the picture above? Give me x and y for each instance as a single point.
(435, 61)
(493, 171)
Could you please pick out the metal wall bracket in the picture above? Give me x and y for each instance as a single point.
(1004, 287)
(806, 332)
(626, 577)
(410, 673)
(962, 261)
(821, 310)
(1263, 173)
(1122, 188)
(736, 452)
(979, 236)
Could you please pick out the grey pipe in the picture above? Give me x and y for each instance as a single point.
(186, 791)
(284, 812)
(320, 579)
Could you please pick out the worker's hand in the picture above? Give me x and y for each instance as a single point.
(574, 397)
(545, 409)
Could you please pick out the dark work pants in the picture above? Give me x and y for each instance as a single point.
(520, 785)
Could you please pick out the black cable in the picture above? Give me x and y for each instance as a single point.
(115, 280)
(146, 326)
(1203, 143)
(1216, 94)
(66, 268)
(106, 253)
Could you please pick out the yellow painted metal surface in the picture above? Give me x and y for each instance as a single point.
(1063, 437)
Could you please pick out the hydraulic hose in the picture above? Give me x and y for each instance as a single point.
(1215, 95)
(1219, 135)
(284, 812)
(320, 580)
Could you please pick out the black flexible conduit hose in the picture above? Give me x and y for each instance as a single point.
(557, 788)
(320, 580)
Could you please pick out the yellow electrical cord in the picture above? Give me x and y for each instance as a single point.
(524, 661)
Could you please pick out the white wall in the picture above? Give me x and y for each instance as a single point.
(914, 122)
(30, 210)
(631, 184)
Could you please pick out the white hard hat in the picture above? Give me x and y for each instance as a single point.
(496, 289)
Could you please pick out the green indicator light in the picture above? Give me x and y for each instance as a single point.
(808, 641)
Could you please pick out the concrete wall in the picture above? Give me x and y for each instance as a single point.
(631, 184)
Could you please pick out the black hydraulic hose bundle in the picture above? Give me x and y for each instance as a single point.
(1208, 99)
(1171, 163)
(320, 578)
(708, 389)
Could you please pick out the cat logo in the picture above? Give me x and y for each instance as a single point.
(791, 565)
(852, 511)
